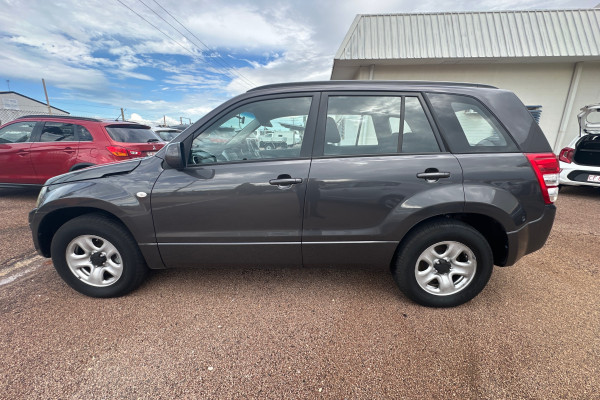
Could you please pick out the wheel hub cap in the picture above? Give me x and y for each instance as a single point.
(94, 260)
(445, 268)
(442, 266)
(98, 259)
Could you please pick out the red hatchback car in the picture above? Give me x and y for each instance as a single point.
(35, 148)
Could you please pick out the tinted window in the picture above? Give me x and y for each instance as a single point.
(83, 134)
(267, 129)
(373, 125)
(131, 134)
(58, 132)
(469, 126)
(16, 133)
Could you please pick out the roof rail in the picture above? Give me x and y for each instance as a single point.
(60, 117)
(370, 83)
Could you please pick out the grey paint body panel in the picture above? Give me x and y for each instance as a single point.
(373, 198)
(230, 203)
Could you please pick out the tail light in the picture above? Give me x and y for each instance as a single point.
(123, 152)
(566, 155)
(545, 166)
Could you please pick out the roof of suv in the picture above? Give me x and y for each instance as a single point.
(346, 85)
(104, 122)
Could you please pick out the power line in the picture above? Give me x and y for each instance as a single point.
(158, 29)
(223, 62)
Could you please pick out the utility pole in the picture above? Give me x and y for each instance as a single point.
(46, 93)
(122, 115)
(180, 120)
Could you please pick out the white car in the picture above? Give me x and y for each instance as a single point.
(580, 160)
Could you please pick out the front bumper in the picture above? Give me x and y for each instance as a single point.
(33, 225)
(530, 237)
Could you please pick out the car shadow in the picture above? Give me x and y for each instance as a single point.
(580, 191)
(24, 192)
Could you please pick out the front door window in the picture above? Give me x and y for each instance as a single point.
(268, 129)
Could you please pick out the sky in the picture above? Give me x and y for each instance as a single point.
(176, 60)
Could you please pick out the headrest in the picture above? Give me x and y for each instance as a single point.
(332, 134)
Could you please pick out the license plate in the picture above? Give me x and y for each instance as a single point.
(150, 153)
(594, 178)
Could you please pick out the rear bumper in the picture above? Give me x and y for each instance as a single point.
(531, 237)
(576, 175)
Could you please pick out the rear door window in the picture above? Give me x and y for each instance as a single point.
(381, 124)
(58, 132)
(131, 134)
(468, 126)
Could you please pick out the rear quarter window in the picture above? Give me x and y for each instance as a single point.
(468, 126)
(132, 134)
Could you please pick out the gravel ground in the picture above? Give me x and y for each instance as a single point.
(293, 333)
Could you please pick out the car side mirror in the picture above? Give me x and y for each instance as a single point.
(174, 155)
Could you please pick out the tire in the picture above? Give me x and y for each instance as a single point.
(98, 257)
(268, 147)
(458, 266)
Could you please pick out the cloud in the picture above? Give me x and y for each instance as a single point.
(100, 52)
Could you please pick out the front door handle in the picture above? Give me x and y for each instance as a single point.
(285, 181)
(432, 175)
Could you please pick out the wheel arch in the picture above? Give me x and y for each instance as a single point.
(52, 222)
(491, 229)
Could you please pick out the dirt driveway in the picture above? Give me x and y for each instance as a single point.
(290, 333)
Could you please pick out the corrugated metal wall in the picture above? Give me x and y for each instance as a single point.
(498, 34)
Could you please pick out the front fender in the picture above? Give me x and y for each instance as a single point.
(116, 195)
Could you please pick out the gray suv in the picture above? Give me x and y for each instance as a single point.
(436, 181)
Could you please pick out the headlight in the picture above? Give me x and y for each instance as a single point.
(41, 196)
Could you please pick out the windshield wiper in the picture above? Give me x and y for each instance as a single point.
(153, 140)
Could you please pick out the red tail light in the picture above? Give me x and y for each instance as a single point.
(545, 166)
(118, 151)
(566, 155)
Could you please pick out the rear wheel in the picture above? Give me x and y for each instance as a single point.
(97, 257)
(443, 264)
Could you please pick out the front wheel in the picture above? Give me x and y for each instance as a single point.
(97, 257)
(443, 264)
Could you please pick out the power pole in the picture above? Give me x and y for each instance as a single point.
(122, 115)
(46, 93)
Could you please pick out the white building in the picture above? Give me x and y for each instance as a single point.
(14, 105)
(549, 58)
